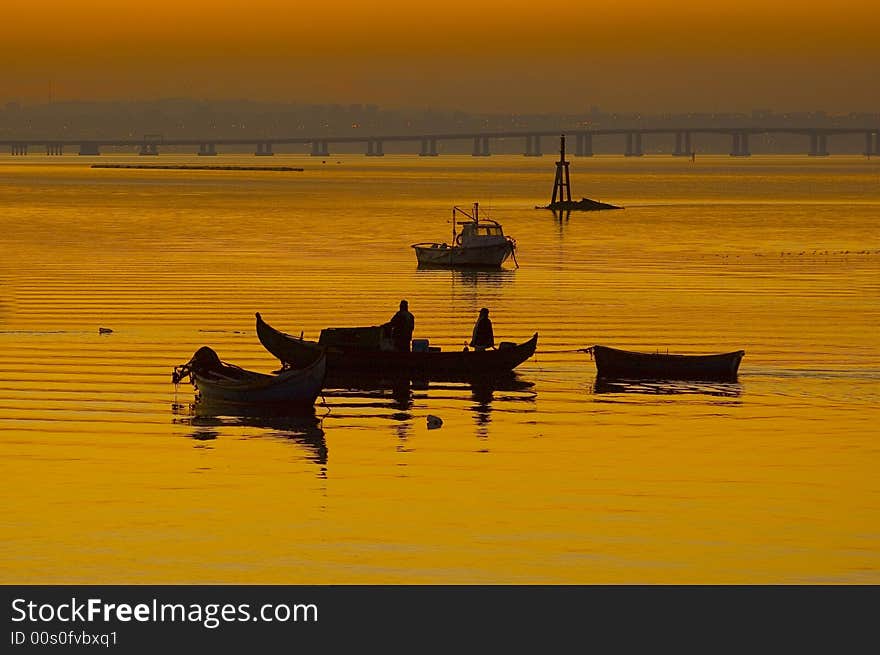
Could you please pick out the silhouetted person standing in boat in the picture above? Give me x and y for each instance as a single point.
(483, 336)
(402, 325)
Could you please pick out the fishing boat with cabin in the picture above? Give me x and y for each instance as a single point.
(481, 243)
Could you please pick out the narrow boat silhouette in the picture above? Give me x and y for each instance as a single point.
(364, 351)
(624, 364)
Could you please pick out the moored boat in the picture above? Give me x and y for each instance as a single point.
(363, 351)
(481, 243)
(218, 381)
(625, 364)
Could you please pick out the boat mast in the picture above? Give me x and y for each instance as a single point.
(476, 212)
(453, 225)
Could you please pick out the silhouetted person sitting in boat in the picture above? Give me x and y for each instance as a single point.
(402, 325)
(483, 336)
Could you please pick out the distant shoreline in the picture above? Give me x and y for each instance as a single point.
(197, 167)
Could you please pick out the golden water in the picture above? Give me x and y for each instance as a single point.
(109, 477)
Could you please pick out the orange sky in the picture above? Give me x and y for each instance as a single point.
(478, 54)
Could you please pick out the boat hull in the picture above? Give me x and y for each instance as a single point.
(295, 387)
(612, 363)
(450, 365)
(436, 255)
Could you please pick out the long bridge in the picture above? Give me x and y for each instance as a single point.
(815, 141)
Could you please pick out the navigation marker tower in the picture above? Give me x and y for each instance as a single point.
(562, 183)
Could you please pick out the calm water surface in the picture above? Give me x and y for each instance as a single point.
(109, 475)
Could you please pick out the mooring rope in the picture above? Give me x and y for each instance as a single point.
(559, 352)
(326, 405)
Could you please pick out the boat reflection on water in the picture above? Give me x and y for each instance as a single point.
(394, 399)
(667, 387)
(475, 278)
(351, 399)
(471, 277)
(504, 390)
(300, 426)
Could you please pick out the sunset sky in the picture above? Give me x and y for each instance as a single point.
(492, 55)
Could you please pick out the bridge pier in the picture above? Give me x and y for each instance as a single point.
(54, 149)
(207, 150)
(583, 145)
(533, 146)
(481, 146)
(818, 145)
(374, 148)
(429, 148)
(89, 149)
(633, 144)
(682, 145)
(320, 149)
(876, 149)
(19, 148)
(740, 145)
(264, 149)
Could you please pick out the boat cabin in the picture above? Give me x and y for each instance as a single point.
(479, 233)
(374, 337)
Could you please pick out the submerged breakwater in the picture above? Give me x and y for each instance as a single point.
(198, 167)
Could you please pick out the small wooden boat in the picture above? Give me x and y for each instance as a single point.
(624, 364)
(219, 382)
(349, 352)
(481, 243)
